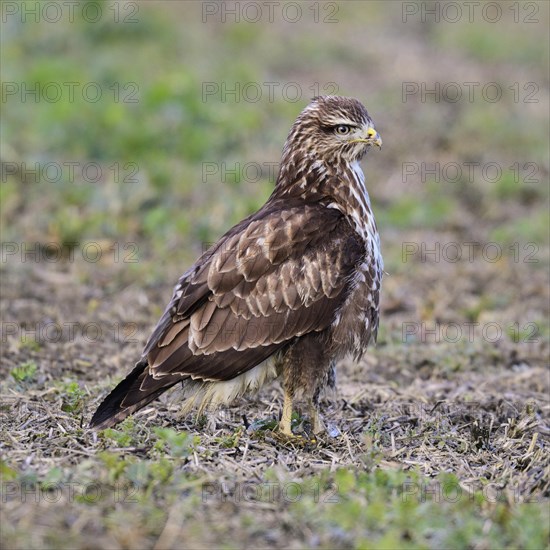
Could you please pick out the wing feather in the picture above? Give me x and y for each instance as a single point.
(283, 273)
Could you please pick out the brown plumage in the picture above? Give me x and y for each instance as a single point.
(287, 291)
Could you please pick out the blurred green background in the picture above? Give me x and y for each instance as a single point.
(137, 89)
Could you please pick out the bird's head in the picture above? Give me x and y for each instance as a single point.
(333, 129)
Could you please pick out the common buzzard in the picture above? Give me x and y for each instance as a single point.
(287, 291)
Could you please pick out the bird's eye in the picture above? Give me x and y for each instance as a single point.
(342, 129)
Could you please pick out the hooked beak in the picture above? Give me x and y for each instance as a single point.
(372, 138)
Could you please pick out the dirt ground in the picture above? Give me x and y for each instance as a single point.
(475, 408)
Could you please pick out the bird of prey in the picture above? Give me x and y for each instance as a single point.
(286, 292)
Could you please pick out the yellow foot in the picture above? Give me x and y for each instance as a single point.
(285, 435)
(285, 429)
(285, 425)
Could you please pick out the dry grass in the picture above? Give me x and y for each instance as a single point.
(478, 411)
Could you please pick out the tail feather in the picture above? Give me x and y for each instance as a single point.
(112, 410)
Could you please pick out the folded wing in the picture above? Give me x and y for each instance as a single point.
(278, 275)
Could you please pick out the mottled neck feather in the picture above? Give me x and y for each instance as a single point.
(334, 182)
